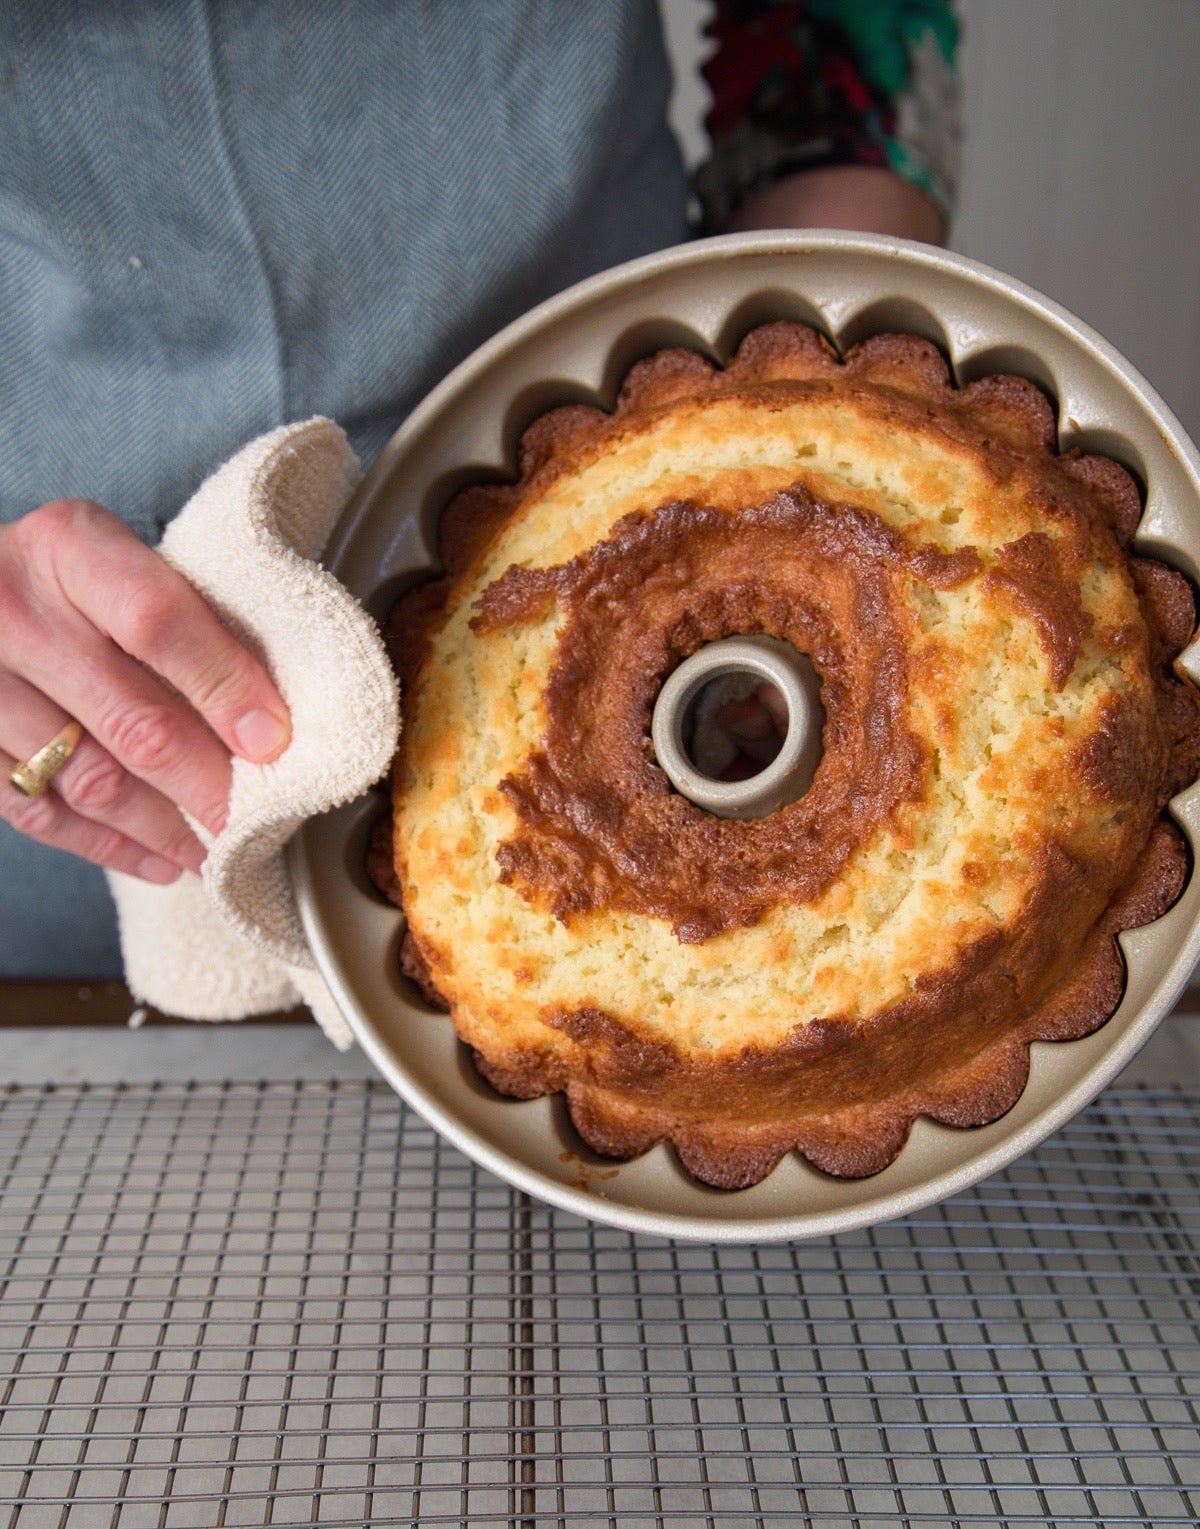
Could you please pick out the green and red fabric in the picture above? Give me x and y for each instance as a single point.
(801, 84)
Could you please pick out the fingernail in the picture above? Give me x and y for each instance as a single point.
(260, 735)
(155, 868)
(191, 856)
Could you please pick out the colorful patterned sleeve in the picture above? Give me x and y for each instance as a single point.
(800, 84)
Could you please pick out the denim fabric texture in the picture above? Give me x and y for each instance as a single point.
(220, 215)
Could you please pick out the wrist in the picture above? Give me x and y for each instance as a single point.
(866, 198)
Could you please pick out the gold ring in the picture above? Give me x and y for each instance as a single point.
(33, 776)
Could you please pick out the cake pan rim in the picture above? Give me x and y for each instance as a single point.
(804, 1227)
(579, 299)
(582, 294)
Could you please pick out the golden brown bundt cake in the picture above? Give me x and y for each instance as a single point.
(1003, 727)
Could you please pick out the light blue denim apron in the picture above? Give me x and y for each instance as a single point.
(220, 215)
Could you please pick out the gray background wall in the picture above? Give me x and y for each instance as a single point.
(1081, 166)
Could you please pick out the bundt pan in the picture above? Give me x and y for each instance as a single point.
(576, 348)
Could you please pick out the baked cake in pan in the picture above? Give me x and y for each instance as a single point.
(1004, 725)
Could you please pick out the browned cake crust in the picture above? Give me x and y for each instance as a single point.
(597, 834)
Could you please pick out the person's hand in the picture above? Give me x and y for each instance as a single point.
(96, 627)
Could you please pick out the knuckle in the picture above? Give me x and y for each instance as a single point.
(18, 573)
(96, 787)
(36, 545)
(12, 609)
(58, 520)
(225, 690)
(146, 739)
(147, 618)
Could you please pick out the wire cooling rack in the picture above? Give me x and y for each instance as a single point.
(240, 1304)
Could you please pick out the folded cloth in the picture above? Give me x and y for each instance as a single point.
(231, 944)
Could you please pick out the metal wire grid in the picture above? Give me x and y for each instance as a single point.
(293, 1304)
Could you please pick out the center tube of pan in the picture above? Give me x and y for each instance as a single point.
(749, 662)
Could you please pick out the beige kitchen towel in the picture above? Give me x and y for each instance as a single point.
(230, 944)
